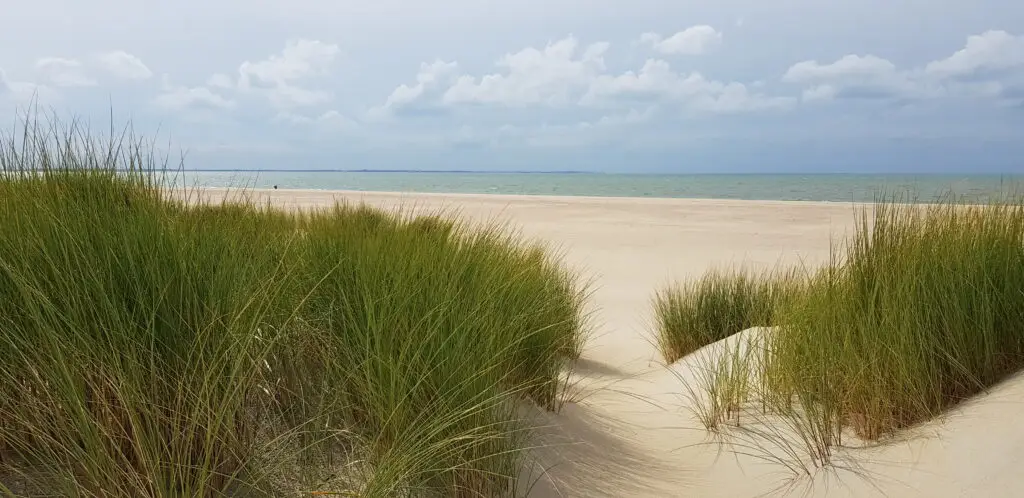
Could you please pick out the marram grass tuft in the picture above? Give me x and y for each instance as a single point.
(154, 346)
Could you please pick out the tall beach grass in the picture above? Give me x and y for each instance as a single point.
(921, 309)
(924, 310)
(157, 346)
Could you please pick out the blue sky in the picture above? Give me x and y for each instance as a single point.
(638, 86)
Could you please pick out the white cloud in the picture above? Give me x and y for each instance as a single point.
(657, 81)
(22, 91)
(554, 75)
(858, 77)
(430, 77)
(989, 59)
(124, 65)
(279, 76)
(850, 66)
(299, 59)
(64, 72)
(331, 119)
(991, 50)
(735, 97)
(181, 98)
(564, 75)
(334, 116)
(694, 40)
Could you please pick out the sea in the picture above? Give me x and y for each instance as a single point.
(788, 187)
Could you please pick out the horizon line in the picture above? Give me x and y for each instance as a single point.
(582, 172)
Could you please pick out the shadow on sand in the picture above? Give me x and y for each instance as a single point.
(582, 453)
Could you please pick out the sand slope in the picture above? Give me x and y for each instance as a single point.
(631, 432)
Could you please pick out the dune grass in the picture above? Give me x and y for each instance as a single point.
(925, 311)
(153, 346)
(918, 311)
(693, 314)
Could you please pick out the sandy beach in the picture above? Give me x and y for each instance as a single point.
(629, 431)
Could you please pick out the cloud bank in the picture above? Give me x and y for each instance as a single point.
(666, 93)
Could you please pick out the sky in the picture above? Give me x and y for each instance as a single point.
(652, 86)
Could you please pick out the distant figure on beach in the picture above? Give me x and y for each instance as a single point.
(275, 187)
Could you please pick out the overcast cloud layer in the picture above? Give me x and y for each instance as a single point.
(607, 85)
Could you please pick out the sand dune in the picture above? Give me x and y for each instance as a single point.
(631, 433)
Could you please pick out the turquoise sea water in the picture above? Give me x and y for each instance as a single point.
(841, 188)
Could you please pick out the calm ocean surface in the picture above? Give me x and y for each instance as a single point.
(841, 188)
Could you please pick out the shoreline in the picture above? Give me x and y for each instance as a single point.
(522, 197)
(311, 198)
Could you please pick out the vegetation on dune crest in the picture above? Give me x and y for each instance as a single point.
(719, 304)
(155, 347)
(924, 311)
(920, 311)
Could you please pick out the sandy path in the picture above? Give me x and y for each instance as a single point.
(630, 434)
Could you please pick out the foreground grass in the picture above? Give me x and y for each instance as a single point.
(153, 347)
(922, 310)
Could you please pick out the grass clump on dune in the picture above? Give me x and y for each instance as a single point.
(719, 304)
(129, 339)
(920, 310)
(924, 311)
(431, 330)
(155, 347)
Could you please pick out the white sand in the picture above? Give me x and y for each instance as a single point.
(631, 434)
